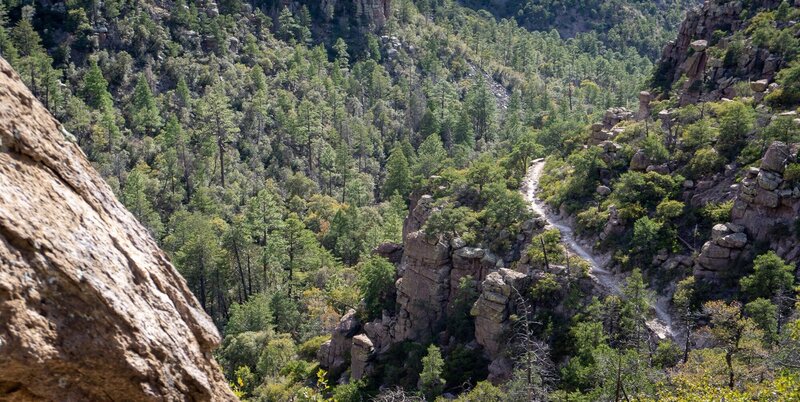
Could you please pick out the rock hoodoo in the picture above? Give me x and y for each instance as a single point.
(687, 55)
(91, 308)
(430, 270)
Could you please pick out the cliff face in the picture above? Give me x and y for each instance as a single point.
(429, 271)
(707, 77)
(91, 308)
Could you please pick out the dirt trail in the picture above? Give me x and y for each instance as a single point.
(661, 325)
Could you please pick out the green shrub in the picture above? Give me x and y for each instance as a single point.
(792, 173)
(592, 220)
(705, 162)
(717, 212)
(308, 349)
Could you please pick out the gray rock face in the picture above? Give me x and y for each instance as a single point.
(360, 354)
(694, 33)
(419, 213)
(335, 353)
(493, 307)
(424, 289)
(644, 105)
(765, 202)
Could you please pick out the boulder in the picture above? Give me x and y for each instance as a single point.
(90, 307)
(734, 240)
(768, 180)
(759, 86)
(660, 169)
(713, 250)
(699, 45)
(775, 158)
(639, 161)
(719, 230)
(603, 190)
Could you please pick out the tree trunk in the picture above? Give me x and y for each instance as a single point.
(729, 363)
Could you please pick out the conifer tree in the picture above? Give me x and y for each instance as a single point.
(145, 118)
(398, 177)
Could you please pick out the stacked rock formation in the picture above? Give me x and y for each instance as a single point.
(493, 307)
(607, 130)
(721, 252)
(767, 203)
(430, 272)
(91, 308)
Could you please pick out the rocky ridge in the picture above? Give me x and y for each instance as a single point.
(688, 55)
(91, 308)
(429, 273)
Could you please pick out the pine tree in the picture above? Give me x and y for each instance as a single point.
(7, 48)
(145, 118)
(431, 157)
(398, 176)
(431, 382)
(218, 123)
(95, 88)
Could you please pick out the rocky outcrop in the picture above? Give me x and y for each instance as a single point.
(639, 161)
(644, 105)
(767, 205)
(334, 354)
(688, 54)
(360, 354)
(430, 273)
(91, 308)
(722, 252)
(607, 130)
(492, 310)
(424, 288)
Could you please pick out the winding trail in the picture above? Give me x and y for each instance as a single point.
(661, 325)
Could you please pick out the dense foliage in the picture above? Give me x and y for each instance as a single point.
(270, 149)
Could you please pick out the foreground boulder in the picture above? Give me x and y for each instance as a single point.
(90, 308)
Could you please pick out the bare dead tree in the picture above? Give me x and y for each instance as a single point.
(397, 395)
(532, 355)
